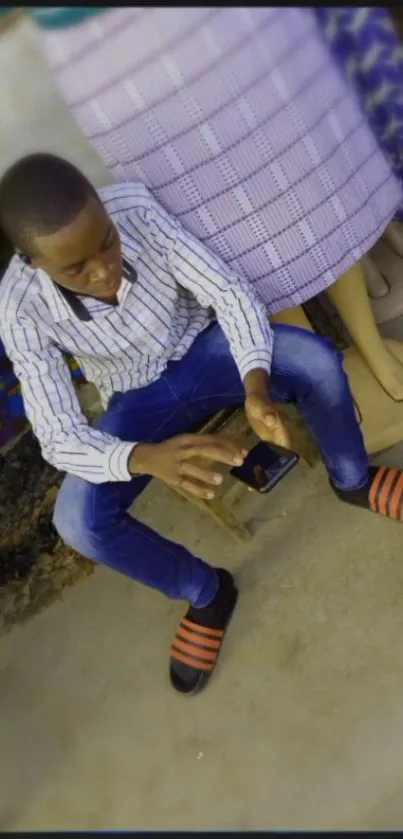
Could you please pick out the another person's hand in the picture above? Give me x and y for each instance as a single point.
(265, 420)
(173, 461)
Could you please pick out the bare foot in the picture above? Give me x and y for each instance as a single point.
(394, 236)
(376, 283)
(388, 370)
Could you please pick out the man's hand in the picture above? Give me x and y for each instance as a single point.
(173, 461)
(261, 413)
(266, 421)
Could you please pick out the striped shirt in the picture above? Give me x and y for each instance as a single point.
(170, 286)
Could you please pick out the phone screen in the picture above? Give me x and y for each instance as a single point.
(265, 466)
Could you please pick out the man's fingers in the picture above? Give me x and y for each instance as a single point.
(217, 454)
(287, 440)
(216, 439)
(283, 436)
(278, 436)
(270, 420)
(264, 414)
(283, 440)
(205, 476)
(198, 490)
(269, 417)
(212, 447)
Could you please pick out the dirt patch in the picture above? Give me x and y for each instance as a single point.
(35, 566)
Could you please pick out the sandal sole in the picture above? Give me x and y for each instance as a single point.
(202, 677)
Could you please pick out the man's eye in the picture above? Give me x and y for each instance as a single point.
(76, 271)
(108, 242)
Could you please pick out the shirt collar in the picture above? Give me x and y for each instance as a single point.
(59, 305)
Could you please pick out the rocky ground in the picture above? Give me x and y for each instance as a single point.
(26, 530)
(34, 565)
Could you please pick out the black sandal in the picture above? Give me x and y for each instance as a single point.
(382, 494)
(199, 638)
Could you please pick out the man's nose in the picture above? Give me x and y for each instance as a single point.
(98, 271)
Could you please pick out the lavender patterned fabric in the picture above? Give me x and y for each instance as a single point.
(242, 125)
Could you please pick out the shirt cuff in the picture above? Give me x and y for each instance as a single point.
(254, 359)
(118, 462)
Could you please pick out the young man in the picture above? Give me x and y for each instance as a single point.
(112, 278)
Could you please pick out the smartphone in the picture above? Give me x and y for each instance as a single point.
(265, 466)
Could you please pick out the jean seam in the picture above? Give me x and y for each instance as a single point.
(172, 389)
(215, 396)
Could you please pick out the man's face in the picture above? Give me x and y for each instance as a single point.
(84, 256)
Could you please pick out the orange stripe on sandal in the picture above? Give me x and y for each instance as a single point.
(196, 652)
(198, 640)
(202, 630)
(396, 499)
(383, 497)
(374, 488)
(191, 662)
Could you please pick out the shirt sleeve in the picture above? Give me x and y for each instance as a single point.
(239, 309)
(67, 441)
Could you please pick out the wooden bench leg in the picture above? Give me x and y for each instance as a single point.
(220, 512)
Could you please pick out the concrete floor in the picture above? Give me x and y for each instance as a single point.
(34, 117)
(302, 726)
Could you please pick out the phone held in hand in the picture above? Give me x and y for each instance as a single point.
(265, 466)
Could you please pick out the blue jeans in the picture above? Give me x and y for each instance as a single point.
(93, 518)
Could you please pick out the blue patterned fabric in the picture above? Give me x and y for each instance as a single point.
(52, 17)
(364, 42)
(12, 413)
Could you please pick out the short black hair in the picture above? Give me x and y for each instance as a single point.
(40, 194)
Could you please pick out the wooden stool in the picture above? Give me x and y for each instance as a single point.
(233, 423)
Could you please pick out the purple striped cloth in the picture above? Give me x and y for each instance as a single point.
(241, 124)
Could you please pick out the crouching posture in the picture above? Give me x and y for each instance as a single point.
(169, 334)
